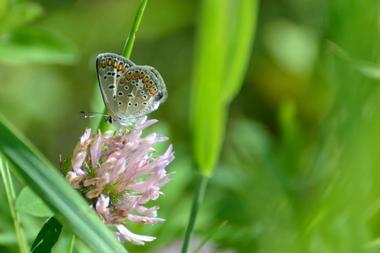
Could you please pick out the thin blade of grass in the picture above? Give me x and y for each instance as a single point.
(208, 237)
(11, 196)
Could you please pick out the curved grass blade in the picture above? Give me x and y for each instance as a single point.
(11, 196)
(219, 72)
(37, 172)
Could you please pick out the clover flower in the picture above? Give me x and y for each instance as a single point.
(119, 173)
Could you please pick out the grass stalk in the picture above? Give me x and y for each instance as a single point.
(72, 244)
(198, 198)
(11, 196)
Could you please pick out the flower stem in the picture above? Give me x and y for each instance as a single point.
(127, 51)
(198, 198)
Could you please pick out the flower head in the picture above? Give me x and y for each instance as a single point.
(119, 173)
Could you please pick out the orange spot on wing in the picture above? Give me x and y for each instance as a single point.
(153, 91)
(146, 79)
(149, 84)
(129, 76)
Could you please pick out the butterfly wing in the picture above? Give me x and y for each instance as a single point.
(111, 68)
(141, 91)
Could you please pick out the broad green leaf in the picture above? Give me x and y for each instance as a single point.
(223, 48)
(42, 178)
(28, 202)
(47, 237)
(35, 46)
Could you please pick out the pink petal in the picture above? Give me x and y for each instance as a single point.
(125, 235)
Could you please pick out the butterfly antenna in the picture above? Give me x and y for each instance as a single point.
(88, 115)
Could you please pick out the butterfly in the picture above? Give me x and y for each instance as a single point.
(129, 91)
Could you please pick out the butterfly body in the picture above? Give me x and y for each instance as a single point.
(129, 91)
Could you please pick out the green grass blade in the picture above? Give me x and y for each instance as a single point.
(42, 178)
(72, 244)
(207, 109)
(223, 49)
(11, 195)
(241, 41)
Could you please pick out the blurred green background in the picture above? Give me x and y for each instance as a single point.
(299, 170)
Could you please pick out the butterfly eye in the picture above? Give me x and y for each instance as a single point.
(120, 93)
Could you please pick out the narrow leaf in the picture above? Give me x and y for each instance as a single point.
(11, 195)
(47, 237)
(241, 43)
(223, 49)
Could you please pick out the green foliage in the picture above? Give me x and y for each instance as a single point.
(299, 163)
(11, 196)
(28, 202)
(14, 14)
(34, 46)
(42, 178)
(47, 237)
(222, 53)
